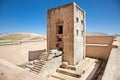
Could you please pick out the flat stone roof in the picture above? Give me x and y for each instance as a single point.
(61, 6)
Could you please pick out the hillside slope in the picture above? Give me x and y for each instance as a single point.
(18, 37)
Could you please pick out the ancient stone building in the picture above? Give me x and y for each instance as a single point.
(66, 32)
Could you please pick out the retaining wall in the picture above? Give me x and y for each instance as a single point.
(99, 46)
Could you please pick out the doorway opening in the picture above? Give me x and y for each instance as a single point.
(60, 29)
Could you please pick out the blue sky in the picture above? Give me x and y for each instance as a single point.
(30, 15)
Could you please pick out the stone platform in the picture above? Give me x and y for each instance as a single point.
(82, 71)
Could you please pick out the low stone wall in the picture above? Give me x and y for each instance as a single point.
(99, 46)
(100, 40)
(19, 53)
(98, 51)
(34, 55)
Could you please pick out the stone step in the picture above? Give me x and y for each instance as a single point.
(61, 76)
(87, 72)
(39, 63)
(44, 55)
(53, 78)
(38, 66)
(83, 66)
(81, 62)
(87, 62)
(68, 72)
(79, 71)
(36, 70)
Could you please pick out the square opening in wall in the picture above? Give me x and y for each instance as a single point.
(77, 19)
(60, 29)
(82, 22)
(77, 32)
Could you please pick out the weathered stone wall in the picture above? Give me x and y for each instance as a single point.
(79, 33)
(99, 46)
(72, 41)
(98, 51)
(99, 39)
(62, 15)
(34, 55)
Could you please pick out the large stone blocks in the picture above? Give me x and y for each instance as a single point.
(66, 32)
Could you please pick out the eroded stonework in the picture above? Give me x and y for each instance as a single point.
(66, 32)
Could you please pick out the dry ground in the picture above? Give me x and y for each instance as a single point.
(9, 71)
(18, 53)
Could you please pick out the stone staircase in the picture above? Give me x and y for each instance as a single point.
(37, 67)
(44, 56)
(38, 64)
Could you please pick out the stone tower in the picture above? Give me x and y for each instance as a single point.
(66, 32)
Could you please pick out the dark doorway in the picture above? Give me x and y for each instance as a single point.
(60, 29)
